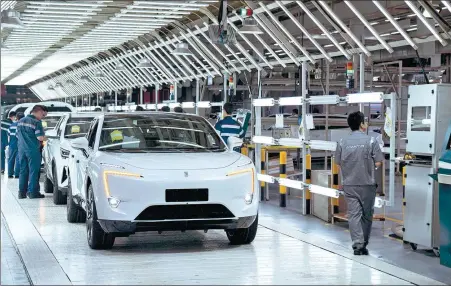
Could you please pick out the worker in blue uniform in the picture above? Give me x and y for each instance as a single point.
(30, 134)
(229, 127)
(5, 128)
(13, 158)
(358, 155)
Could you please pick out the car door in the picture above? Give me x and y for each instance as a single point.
(52, 147)
(82, 158)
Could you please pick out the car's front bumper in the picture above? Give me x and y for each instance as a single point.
(124, 228)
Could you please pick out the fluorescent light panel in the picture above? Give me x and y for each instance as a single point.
(370, 97)
(263, 102)
(329, 192)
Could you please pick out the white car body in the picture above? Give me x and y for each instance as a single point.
(57, 150)
(143, 183)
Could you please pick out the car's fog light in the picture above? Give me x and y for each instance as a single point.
(248, 198)
(113, 202)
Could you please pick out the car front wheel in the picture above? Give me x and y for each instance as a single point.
(48, 186)
(97, 238)
(74, 212)
(58, 197)
(243, 235)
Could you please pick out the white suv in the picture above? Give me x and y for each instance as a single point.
(57, 150)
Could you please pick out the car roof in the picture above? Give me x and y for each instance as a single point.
(85, 114)
(123, 114)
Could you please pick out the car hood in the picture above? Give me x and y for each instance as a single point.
(174, 161)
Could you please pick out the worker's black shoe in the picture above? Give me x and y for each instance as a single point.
(358, 252)
(365, 251)
(22, 196)
(35, 196)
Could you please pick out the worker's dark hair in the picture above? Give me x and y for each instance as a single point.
(39, 107)
(139, 108)
(355, 119)
(178, 109)
(12, 113)
(228, 107)
(165, 109)
(19, 115)
(295, 111)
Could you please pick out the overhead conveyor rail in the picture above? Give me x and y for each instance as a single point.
(114, 38)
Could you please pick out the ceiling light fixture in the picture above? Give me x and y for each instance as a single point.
(250, 27)
(58, 84)
(50, 87)
(99, 74)
(119, 67)
(144, 64)
(182, 50)
(70, 82)
(86, 79)
(11, 19)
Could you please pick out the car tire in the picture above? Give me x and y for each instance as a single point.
(74, 212)
(58, 197)
(97, 237)
(243, 235)
(48, 185)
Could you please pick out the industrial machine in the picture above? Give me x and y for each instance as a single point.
(443, 177)
(428, 116)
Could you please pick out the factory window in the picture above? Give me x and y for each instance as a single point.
(421, 118)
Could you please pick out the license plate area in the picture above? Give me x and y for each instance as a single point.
(186, 195)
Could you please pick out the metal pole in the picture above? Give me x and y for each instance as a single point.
(391, 190)
(362, 79)
(327, 111)
(197, 95)
(141, 97)
(225, 88)
(97, 99)
(89, 100)
(76, 102)
(115, 101)
(157, 89)
(304, 128)
(398, 113)
(258, 126)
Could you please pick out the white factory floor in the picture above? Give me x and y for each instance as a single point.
(52, 251)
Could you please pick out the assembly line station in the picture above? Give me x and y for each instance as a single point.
(107, 60)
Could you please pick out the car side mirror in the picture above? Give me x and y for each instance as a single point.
(51, 134)
(233, 143)
(80, 143)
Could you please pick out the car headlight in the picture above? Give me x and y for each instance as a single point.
(250, 195)
(107, 173)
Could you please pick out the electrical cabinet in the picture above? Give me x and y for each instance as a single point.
(421, 225)
(429, 110)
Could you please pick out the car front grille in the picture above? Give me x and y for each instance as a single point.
(194, 211)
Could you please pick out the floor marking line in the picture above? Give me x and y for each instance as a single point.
(13, 210)
(16, 248)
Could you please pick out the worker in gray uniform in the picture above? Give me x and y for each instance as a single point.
(358, 155)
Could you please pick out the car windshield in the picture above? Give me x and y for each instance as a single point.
(158, 132)
(77, 127)
(50, 122)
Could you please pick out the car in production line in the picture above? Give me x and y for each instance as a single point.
(57, 149)
(158, 171)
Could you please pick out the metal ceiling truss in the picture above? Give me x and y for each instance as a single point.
(211, 59)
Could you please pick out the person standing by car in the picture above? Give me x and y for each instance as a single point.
(5, 129)
(13, 159)
(228, 126)
(30, 134)
(358, 155)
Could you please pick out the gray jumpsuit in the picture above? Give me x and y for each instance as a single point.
(357, 155)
